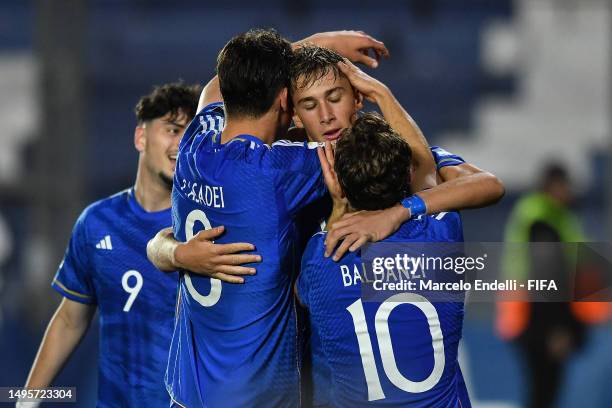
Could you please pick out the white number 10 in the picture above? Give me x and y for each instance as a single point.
(132, 290)
(381, 325)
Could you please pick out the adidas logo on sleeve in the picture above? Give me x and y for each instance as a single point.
(105, 243)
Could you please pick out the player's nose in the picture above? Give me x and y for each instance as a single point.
(325, 113)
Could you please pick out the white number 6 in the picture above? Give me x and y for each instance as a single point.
(132, 290)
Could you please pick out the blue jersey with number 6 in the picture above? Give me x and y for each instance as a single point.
(235, 345)
(106, 265)
(400, 352)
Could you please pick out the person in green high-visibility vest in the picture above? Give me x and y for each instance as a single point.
(547, 333)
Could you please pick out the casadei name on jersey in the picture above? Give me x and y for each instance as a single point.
(210, 196)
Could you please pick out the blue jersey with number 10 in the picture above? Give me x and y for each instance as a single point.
(235, 345)
(106, 265)
(401, 352)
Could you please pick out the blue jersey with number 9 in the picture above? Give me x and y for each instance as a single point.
(235, 345)
(106, 265)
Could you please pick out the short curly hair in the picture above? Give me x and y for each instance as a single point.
(373, 164)
(173, 98)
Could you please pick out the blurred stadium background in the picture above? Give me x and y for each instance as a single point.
(508, 84)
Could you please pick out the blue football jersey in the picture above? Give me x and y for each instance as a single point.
(372, 353)
(106, 265)
(235, 345)
(445, 158)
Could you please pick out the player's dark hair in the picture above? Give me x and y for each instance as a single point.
(253, 68)
(373, 164)
(311, 63)
(172, 98)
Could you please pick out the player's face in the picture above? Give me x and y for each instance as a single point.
(326, 108)
(158, 141)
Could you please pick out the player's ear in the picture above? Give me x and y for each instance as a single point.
(285, 104)
(358, 100)
(140, 140)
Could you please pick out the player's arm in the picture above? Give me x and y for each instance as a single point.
(211, 93)
(378, 93)
(466, 186)
(354, 45)
(63, 334)
(202, 256)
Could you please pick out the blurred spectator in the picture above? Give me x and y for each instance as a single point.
(547, 333)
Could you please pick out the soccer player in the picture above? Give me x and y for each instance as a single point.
(396, 353)
(105, 268)
(328, 93)
(235, 345)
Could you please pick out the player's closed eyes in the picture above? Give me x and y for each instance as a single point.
(335, 96)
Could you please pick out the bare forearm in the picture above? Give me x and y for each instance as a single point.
(57, 345)
(476, 190)
(402, 122)
(161, 249)
(210, 94)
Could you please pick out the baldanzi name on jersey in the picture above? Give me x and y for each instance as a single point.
(357, 273)
(210, 196)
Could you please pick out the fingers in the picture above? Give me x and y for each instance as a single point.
(234, 270)
(333, 236)
(235, 247)
(232, 274)
(329, 154)
(378, 47)
(326, 169)
(210, 234)
(358, 244)
(342, 224)
(345, 68)
(344, 246)
(365, 60)
(323, 159)
(237, 259)
(229, 278)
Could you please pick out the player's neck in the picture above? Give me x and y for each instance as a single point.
(152, 195)
(264, 128)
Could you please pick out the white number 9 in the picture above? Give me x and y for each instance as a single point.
(215, 284)
(132, 290)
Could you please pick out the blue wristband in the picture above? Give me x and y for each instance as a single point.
(415, 204)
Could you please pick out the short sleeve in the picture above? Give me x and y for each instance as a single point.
(211, 117)
(445, 158)
(298, 174)
(73, 278)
